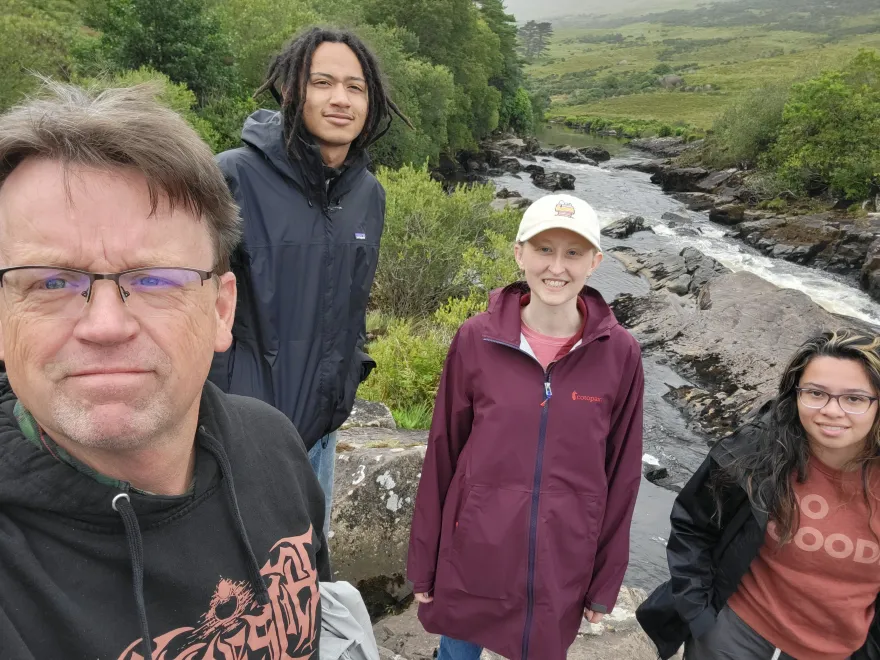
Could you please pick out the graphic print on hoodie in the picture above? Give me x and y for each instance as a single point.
(229, 570)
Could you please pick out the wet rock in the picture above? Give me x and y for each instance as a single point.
(675, 219)
(734, 340)
(625, 227)
(504, 193)
(680, 179)
(697, 201)
(554, 181)
(533, 169)
(869, 278)
(572, 155)
(511, 165)
(682, 273)
(668, 147)
(646, 166)
(369, 414)
(730, 214)
(595, 153)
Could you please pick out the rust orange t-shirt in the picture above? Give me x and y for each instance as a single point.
(814, 596)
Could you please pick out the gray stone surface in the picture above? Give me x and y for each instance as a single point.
(618, 637)
(369, 414)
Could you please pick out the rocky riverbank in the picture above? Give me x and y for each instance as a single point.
(829, 241)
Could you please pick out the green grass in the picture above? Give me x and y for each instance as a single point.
(697, 110)
(413, 418)
(753, 57)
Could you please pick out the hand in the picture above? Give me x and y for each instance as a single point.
(423, 598)
(593, 617)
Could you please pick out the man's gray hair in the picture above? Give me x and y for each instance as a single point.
(125, 127)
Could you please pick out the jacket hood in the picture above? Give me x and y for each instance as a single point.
(264, 132)
(31, 477)
(505, 322)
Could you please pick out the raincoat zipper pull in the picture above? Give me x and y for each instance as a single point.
(547, 392)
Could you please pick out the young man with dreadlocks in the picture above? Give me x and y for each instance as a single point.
(313, 216)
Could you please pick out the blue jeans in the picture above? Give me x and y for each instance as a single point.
(323, 459)
(453, 649)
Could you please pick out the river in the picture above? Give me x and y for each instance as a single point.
(616, 193)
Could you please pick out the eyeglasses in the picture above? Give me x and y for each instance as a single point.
(854, 404)
(48, 292)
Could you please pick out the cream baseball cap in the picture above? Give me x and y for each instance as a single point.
(560, 212)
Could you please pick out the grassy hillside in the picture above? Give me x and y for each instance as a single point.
(614, 70)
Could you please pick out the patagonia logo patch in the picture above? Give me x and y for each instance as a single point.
(361, 237)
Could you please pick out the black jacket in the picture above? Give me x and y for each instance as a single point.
(230, 569)
(304, 271)
(707, 560)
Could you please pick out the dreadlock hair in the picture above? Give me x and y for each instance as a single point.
(291, 70)
(783, 449)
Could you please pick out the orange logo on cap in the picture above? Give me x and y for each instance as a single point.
(565, 209)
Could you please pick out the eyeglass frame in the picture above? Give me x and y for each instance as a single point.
(205, 275)
(835, 397)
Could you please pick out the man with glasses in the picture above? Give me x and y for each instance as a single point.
(143, 512)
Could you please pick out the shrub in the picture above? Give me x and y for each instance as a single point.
(830, 137)
(427, 233)
(410, 359)
(748, 127)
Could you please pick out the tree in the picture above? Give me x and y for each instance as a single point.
(830, 135)
(534, 38)
(179, 38)
(33, 40)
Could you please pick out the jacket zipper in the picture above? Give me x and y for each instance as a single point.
(536, 498)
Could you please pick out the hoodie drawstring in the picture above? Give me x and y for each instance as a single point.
(122, 505)
(261, 591)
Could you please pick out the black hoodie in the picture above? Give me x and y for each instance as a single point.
(229, 570)
(304, 271)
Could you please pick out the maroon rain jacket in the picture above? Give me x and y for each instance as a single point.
(529, 483)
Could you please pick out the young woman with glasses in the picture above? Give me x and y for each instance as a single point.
(774, 550)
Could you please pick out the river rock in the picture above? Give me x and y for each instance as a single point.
(667, 147)
(534, 169)
(680, 179)
(510, 165)
(504, 193)
(625, 227)
(513, 147)
(646, 166)
(595, 153)
(697, 201)
(554, 181)
(733, 341)
(572, 155)
(618, 637)
(715, 180)
(869, 278)
(729, 214)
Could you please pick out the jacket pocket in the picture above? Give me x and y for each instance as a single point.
(490, 543)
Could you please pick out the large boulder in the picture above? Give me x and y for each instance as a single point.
(870, 275)
(510, 165)
(504, 193)
(668, 147)
(700, 201)
(680, 179)
(369, 414)
(554, 181)
(645, 166)
(374, 490)
(533, 169)
(729, 214)
(595, 153)
(572, 155)
(625, 227)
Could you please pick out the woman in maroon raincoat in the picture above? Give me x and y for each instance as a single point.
(522, 519)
